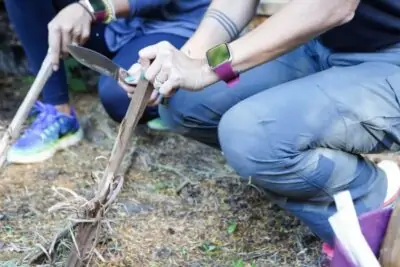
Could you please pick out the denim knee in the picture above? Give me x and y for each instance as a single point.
(241, 136)
(264, 151)
(192, 119)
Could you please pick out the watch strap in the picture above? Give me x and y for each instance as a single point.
(88, 9)
(227, 74)
(103, 10)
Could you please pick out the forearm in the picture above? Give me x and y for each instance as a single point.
(223, 22)
(294, 25)
(122, 8)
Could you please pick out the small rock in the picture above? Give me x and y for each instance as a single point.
(2, 216)
(195, 264)
(134, 208)
(162, 253)
(50, 174)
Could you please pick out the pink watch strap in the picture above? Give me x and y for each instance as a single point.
(227, 74)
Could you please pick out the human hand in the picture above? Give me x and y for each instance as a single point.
(72, 24)
(171, 69)
(129, 79)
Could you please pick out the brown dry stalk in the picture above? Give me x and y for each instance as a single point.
(88, 228)
(87, 233)
(14, 129)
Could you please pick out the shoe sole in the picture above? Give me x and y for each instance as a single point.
(62, 144)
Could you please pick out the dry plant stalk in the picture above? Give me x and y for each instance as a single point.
(86, 236)
(14, 129)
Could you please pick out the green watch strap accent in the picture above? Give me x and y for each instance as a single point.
(98, 5)
(101, 11)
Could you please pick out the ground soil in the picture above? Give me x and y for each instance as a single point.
(181, 205)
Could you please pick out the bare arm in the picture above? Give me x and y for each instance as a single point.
(223, 22)
(292, 26)
(122, 7)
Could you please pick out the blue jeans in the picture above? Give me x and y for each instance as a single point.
(296, 127)
(30, 19)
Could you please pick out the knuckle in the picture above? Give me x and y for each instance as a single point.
(165, 44)
(167, 66)
(176, 78)
(148, 76)
(52, 27)
(66, 27)
(165, 53)
(85, 35)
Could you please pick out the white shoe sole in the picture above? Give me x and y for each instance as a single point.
(62, 144)
(392, 172)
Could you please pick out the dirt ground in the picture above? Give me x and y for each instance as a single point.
(181, 205)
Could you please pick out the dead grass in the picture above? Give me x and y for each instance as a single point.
(213, 220)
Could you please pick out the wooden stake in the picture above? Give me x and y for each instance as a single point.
(86, 236)
(14, 129)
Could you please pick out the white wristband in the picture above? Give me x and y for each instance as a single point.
(87, 3)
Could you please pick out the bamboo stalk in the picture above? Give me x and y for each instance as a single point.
(86, 235)
(14, 129)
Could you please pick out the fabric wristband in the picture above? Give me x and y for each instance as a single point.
(103, 10)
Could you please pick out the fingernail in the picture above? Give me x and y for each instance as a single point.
(130, 79)
(124, 75)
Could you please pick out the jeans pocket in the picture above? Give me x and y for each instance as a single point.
(385, 127)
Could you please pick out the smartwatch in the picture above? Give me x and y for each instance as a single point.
(102, 10)
(219, 59)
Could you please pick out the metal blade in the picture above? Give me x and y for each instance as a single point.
(94, 60)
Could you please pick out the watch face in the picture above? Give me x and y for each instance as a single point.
(218, 55)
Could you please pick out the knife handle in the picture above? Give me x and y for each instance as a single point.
(130, 80)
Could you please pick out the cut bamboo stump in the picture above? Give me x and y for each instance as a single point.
(14, 129)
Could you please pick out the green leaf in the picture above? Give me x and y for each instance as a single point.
(77, 85)
(238, 263)
(28, 80)
(232, 227)
(208, 247)
(71, 63)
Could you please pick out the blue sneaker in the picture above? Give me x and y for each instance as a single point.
(50, 131)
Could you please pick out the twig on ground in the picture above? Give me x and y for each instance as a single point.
(44, 251)
(87, 233)
(37, 257)
(14, 129)
(167, 168)
(185, 183)
(91, 213)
